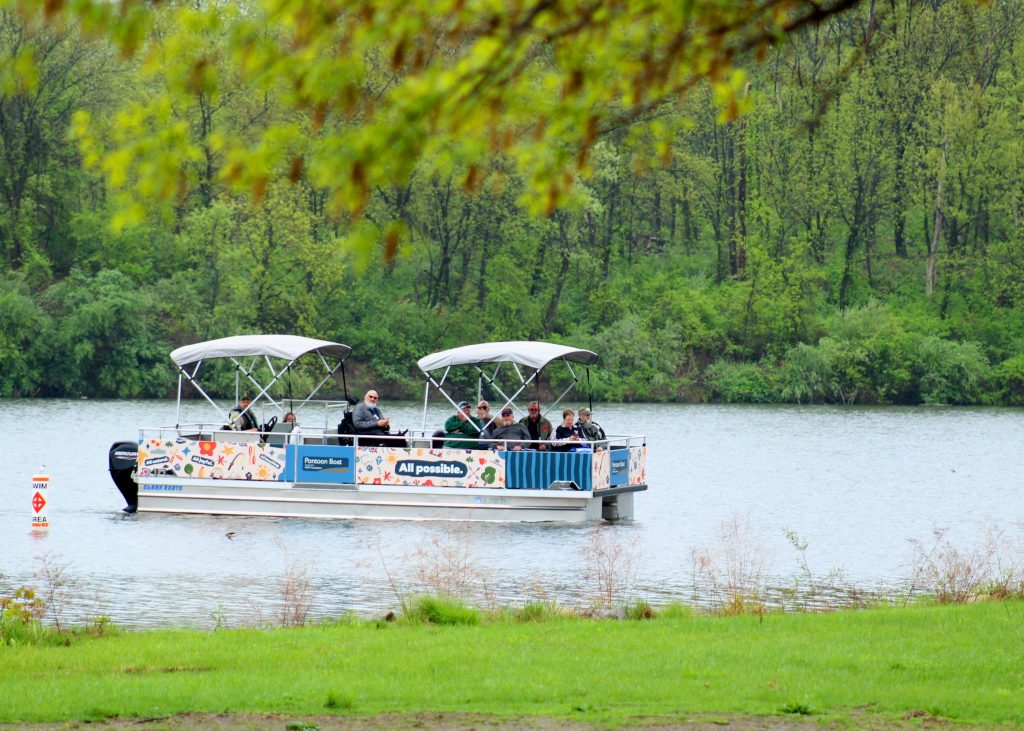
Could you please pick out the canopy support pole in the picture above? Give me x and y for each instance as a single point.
(330, 374)
(177, 416)
(191, 379)
(568, 388)
(247, 372)
(494, 384)
(590, 393)
(426, 398)
(430, 380)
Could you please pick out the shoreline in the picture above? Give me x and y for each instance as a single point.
(874, 668)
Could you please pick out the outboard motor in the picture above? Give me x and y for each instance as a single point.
(124, 457)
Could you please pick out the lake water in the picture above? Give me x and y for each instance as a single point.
(857, 484)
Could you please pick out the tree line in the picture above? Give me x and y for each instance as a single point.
(847, 230)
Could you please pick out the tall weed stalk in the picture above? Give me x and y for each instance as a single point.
(610, 565)
(295, 592)
(55, 592)
(954, 575)
(445, 564)
(733, 571)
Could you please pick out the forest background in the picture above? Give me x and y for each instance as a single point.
(853, 234)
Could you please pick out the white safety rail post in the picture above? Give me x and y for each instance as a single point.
(40, 499)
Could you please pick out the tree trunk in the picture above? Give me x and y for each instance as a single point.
(563, 270)
(933, 249)
(741, 197)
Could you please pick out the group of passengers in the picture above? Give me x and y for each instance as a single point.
(533, 431)
(464, 430)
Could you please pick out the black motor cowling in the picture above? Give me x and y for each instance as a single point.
(123, 459)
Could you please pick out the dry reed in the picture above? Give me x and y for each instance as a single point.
(733, 574)
(295, 591)
(55, 588)
(610, 563)
(953, 574)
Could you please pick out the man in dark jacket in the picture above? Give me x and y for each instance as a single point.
(368, 420)
(508, 428)
(538, 427)
(242, 418)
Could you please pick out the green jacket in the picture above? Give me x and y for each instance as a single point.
(593, 432)
(456, 427)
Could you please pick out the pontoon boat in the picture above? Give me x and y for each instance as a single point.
(325, 472)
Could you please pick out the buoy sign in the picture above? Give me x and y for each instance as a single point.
(40, 485)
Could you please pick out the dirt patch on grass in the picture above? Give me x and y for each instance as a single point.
(481, 722)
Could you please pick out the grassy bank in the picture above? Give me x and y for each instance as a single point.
(961, 663)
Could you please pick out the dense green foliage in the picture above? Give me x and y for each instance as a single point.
(855, 237)
(871, 667)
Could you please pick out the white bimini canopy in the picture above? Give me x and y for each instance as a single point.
(528, 353)
(288, 347)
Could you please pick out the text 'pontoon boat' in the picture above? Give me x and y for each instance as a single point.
(281, 469)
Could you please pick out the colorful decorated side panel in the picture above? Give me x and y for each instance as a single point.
(537, 470)
(619, 467)
(600, 470)
(219, 460)
(638, 465)
(323, 464)
(430, 467)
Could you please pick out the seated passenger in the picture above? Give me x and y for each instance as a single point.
(567, 435)
(289, 418)
(483, 415)
(508, 428)
(368, 419)
(241, 417)
(463, 426)
(538, 427)
(591, 430)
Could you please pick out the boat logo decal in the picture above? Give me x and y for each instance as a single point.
(419, 468)
(312, 463)
(270, 461)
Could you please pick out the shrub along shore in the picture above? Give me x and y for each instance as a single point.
(876, 667)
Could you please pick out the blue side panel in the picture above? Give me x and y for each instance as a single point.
(537, 470)
(620, 467)
(326, 464)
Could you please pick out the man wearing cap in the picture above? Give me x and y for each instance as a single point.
(592, 431)
(537, 425)
(463, 426)
(242, 418)
(508, 428)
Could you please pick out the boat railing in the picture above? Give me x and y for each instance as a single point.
(414, 438)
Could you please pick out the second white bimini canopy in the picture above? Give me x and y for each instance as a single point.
(532, 354)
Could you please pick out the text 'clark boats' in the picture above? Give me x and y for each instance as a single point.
(236, 466)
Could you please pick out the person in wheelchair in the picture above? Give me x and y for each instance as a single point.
(369, 422)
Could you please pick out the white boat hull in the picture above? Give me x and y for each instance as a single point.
(298, 500)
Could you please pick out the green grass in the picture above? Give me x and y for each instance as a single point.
(961, 663)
